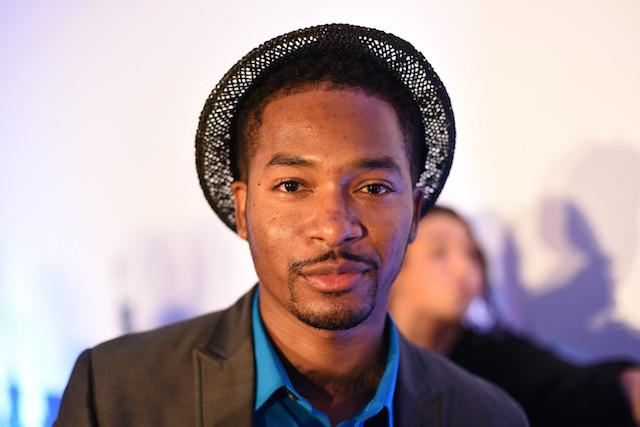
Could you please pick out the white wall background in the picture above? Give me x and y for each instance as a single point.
(103, 227)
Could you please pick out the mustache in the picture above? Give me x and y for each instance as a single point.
(335, 255)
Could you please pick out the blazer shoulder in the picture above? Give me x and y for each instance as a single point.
(150, 378)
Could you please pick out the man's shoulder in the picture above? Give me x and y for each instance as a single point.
(426, 373)
(148, 378)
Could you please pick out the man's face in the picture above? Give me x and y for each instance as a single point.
(328, 207)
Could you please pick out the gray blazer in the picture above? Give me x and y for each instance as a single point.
(200, 372)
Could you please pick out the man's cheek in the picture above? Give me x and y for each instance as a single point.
(275, 234)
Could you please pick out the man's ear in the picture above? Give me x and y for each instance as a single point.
(239, 191)
(418, 196)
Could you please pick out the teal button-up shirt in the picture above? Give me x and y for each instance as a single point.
(279, 404)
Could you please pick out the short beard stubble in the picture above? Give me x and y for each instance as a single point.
(335, 317)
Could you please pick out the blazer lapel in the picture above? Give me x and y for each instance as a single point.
(224, 370)
(225, 377)
(416, 402)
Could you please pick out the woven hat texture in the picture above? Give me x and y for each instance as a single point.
(214, 135)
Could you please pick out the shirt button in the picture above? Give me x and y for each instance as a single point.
(292, 396)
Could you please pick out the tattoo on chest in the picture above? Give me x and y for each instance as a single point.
(315, 384)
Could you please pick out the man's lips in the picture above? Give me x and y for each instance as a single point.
(334, 276)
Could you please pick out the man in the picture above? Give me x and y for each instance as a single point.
(318, 148)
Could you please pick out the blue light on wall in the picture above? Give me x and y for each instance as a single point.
(13, 418)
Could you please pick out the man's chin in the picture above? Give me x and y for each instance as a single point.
(333, 311)
(337, 320)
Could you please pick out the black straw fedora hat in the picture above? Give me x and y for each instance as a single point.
(214, 136)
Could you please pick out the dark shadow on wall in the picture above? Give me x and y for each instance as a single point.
(601, 202)
(512, 298)
(573, 318)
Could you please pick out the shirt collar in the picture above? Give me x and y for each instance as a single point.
(271, 375)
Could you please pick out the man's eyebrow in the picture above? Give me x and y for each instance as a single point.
(385, 162)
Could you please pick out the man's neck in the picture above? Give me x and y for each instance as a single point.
(338, 372)
(339, 396)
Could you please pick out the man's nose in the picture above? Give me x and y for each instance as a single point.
(335, 219)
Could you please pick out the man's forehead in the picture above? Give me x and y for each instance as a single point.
(311, 109)
(300, 96)
(349, 126)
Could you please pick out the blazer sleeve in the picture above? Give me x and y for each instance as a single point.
(77, 405)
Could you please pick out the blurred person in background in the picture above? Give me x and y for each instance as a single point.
(443, 272)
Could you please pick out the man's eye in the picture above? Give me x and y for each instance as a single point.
(376, 188)
(289, 186)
